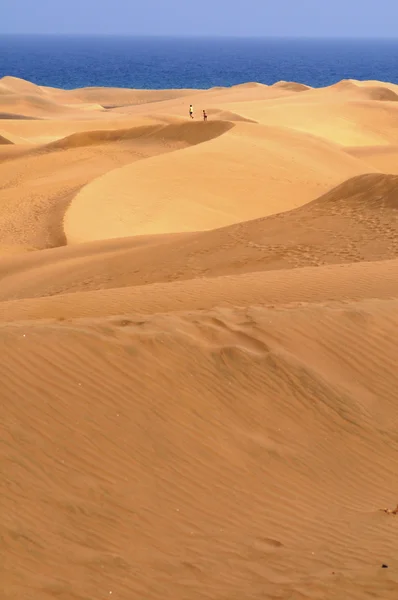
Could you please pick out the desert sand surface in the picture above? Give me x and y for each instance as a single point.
(198, 331)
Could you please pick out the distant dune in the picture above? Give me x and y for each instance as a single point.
(198, 322)
(292, 86)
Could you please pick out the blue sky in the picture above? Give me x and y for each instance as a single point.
(332, 18)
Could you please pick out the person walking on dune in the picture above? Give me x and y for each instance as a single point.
(204, 115)
(191, 111)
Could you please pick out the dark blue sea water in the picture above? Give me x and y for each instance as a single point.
(78, 61)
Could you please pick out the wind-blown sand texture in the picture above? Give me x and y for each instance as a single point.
(198, 324)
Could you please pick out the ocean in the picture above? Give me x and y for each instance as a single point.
(80, 61)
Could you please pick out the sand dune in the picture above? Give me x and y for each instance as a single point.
(15, 85)
(15, 139)
(4, 140)
(198, 323)
(110, 97)
(15, 116)
(246, 161)
(291, 86)
(365, 90)
(49, 176)
(352, 84)
(33, 101)
(31, 105)
(354, 222)
(349, 122)
(328, 284)
(248, 85)
(383, 158)
(381, 93)
(371, 92)
(214, 98)
(184, 133)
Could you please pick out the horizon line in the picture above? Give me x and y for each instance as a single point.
(202, 36)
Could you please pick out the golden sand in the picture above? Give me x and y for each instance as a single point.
(198, 331)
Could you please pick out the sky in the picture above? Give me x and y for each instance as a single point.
(290, 18)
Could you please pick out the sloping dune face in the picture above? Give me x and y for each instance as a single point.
(139, 486)
(354, 222)
(246, 173)
(4, 140)
(198, 332)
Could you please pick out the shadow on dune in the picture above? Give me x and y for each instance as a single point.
(190, 133)
(18, 117)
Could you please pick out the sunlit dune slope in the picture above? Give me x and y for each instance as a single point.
(248, 172)
(35, 105)
(39, 132)
(349, 122)
(48, 176)
(291, 86)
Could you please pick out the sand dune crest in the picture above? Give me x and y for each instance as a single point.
(16, 85)
(189, 133)
(292, 86)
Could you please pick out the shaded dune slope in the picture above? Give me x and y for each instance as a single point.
(188, 133)
(366, 89)
(16, 117)
(4, 140)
